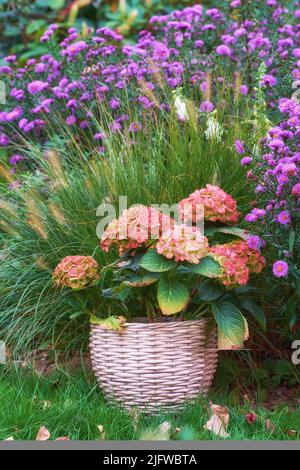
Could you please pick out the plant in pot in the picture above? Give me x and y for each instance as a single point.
(184, 294)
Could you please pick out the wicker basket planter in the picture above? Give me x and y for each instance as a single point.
(150, 366)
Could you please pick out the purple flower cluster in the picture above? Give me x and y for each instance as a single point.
(182, 48)
(276, 181)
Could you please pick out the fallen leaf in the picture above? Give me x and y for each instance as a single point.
(269, 426)
(11, 438)
(43, 434)
(102, 432)
(64, 438)
(292, 432)
(219, 421)
(165, 427)
(251, 418)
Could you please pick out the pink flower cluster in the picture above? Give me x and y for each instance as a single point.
(138, 226)
(184, 244)
(237, 261)
(76, 272)
(218, 206)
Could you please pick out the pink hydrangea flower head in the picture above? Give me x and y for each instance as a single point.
(218, 206)
(237, 261)
(76, 272)
(137, 227)
(183, 243)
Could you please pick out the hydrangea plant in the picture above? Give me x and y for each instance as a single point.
(168, 268)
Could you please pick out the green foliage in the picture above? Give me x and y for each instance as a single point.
(231, 322)
(172, 296)
(28, 20)
(72, 405)
(156, 263)
(207, 267)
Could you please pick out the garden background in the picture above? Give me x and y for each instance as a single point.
(48, 204)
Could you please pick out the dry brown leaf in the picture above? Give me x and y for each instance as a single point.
(219, 421)
(292, 432)
(43, 434)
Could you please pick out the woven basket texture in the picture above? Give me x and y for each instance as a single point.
(156, 365)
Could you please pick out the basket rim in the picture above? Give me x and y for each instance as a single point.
(160, 323)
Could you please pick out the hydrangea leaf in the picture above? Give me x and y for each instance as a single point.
(210, 291)
(141, 281)
(251, 306)
(172, 296)
(233, 327)
(110, 323)
(156, 263)
(237, 232)
(207, 267)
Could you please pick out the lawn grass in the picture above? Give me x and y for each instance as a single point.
(71, 405)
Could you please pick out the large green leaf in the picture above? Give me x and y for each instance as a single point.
(172, 296)
(156, 263)
(210, 290)
(35, 26)
(232, 325)
(251, 306)
(207, 267)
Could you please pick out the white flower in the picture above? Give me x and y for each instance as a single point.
(214, 130)
(180, 106)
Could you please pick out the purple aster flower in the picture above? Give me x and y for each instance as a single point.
(15, 159)
(84, 125)
(135, 127)
(114, 103)
(4, 140)
(254, 242)
(244, 90)
(37, 87)
(280, 269)
(74, 49)
(269, 80)
(223, 50)
(296, 190)
(206, 107)
(239, 146)
(284, 218)
(71, 120)
(17, 94)
(296, 53)
(246, 161)
(251, 218)
(5, 70)
(98, 136)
